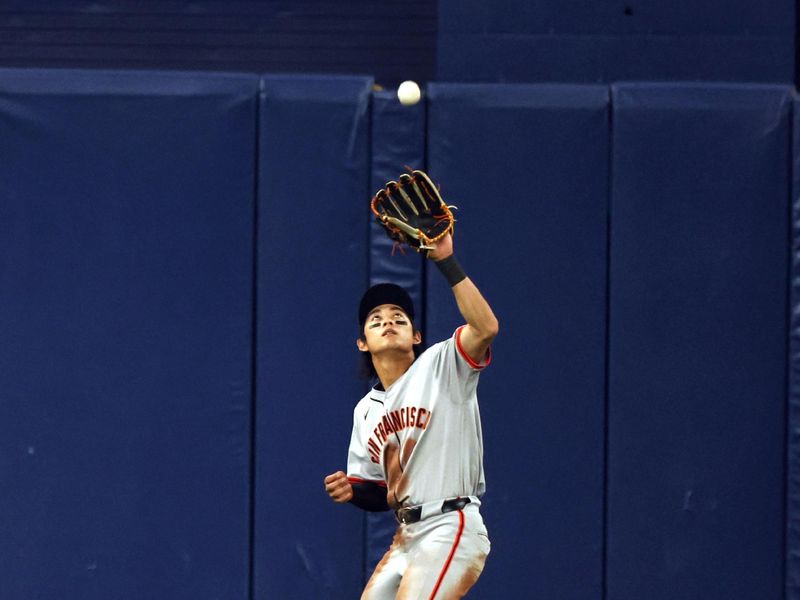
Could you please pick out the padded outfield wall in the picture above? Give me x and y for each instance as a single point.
(179, 366)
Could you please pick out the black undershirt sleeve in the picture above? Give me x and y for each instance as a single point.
(369, 496)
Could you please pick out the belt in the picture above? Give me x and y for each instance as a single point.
(412, 514)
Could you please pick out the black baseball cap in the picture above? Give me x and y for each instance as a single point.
(384, 293)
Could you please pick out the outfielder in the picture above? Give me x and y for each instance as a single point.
(416, 445)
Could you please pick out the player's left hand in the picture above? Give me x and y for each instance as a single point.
(412, 211)
(442, 249)
(338, 488)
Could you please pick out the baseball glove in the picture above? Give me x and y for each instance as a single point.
(412, 211)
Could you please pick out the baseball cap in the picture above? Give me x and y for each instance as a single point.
(384, 293)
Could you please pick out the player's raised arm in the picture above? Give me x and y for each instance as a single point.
(482, 325)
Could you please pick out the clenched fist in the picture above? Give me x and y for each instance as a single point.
(338, 488)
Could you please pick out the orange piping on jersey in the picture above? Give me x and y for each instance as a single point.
(359, 480)
(470, 361)
(450, 557)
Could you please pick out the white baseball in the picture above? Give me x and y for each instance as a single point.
(408, 93)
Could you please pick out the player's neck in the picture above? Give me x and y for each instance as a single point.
(392, 367)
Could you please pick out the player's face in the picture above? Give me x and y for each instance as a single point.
(388, 328)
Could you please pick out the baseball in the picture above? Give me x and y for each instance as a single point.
(408, 93)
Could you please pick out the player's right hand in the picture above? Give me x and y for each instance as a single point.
(338, 488)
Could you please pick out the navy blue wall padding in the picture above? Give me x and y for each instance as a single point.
(314, 176)
(181, 258)
(576, 40)
(398, 141)
(527, 166)
(697, 358)
(125, 264)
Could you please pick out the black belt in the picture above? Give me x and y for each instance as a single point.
(412, 514)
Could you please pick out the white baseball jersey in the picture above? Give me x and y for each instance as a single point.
(422, 437)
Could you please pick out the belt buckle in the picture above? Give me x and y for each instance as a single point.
(406, 515)
(455, 504)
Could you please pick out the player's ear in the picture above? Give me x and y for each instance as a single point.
(417, 337)
(362, 344)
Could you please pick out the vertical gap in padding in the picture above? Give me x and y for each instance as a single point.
(254, 352)
(790, 424)
(368, 279)
(607, 368)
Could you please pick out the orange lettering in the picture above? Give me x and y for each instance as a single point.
(373, 447)
(397, 422)
(387, 425)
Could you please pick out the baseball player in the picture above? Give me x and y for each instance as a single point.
(416, 446)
